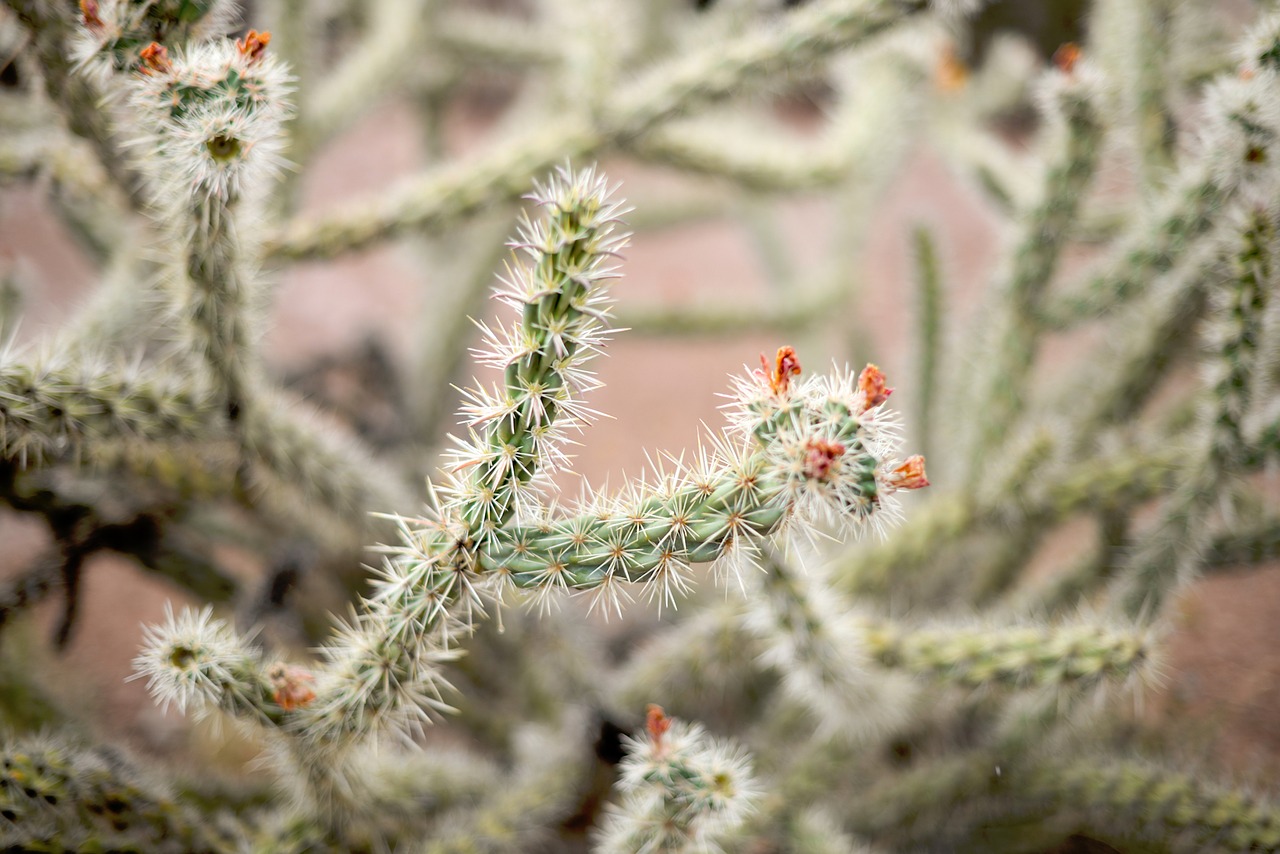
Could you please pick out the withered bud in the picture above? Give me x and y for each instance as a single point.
(254, 44)
(820, 456)
(1066, 57)
(155, 59)
(871, 383)
(951, 71)
(657, 722)
(909, 475)
(786, 365)
(89, 10)
(291, 686)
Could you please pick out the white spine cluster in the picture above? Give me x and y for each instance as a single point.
(832, 440)
(1241, 135)
(197, 661)
(209, 119)
(682, 791)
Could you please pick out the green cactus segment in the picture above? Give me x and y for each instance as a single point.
(1043, 237)
(215, 112)
(1241, 311)
(213, 116)
(1145, 803)
(55, 798)
(561, 296)
(1172, 552)
(217, 303)
(1076, 655)
(1187, 216)
(632, 546)
(696, 523)
(51, 410)
(193, 659)
(1133, 805)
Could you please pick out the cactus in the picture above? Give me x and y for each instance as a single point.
(882, 670)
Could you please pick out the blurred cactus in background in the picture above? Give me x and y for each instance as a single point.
(962, 669)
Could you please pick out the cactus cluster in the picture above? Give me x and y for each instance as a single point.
(867, 672)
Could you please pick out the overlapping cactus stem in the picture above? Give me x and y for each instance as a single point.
(210, 120)
(1233, 160)
(1070, 95)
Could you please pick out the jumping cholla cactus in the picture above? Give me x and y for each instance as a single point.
(827, 717)
(798, 453)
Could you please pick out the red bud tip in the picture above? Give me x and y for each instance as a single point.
(89, 10)
(909, 475)
(291, 686)
(254, 44)
(872, 385)
(155, 58)
(786, 365)
(1066, 57)
(820, 456)
(951, 72)
(657, 722)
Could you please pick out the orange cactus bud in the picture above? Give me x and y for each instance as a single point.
(291, 686)
(254, 44)
(155, 58)
(951, 72)
(871, 383)
(820, 456)
(1066, 57)
(657, 722)
(786, 365)
(89, 10)
(909, 475)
